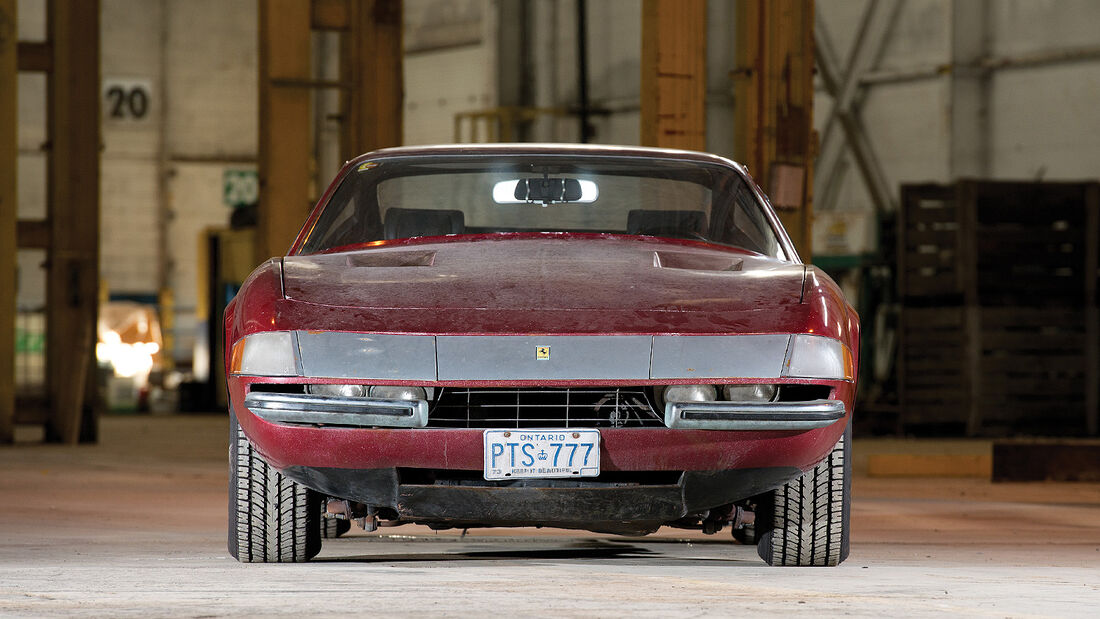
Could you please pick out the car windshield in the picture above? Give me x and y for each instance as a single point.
(424, 196)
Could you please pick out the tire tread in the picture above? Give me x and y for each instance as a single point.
(272, 519)
(810, 521)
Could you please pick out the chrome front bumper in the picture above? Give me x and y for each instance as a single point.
(377, 412)
(753, 415)
(338, 411)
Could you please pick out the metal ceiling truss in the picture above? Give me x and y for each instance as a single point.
(848, 91)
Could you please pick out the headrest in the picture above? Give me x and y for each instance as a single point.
(665, 223)
(403, 223)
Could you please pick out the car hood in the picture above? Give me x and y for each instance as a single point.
(564, 272)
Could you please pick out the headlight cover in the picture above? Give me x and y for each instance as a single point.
(749, 393)
(690, 393)
(815, 356)
(271, 353)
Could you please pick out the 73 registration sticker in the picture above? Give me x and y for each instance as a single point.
(541, 454)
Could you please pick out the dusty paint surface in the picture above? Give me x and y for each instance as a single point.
(136, 526)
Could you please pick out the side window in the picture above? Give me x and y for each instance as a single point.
(738, 221)
(348, 218)
(749, 221)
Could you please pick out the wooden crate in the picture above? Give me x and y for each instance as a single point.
(997, 371)
(999, 244)
(933, 367)
(1034, 371)
(1034, 243)
(931, 244)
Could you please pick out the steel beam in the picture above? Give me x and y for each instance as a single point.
(774, 112)
(73, 197)
(869, 165)
(9, 116)
(877, 22)
(674, 79)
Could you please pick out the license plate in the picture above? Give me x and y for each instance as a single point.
(541, 454)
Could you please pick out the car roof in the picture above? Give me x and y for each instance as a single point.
(540, 148)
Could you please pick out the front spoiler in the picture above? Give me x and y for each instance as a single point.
(594, 505)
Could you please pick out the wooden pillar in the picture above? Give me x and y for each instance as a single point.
(285, 144)
(774, 98)
(8, 212)
(373, 96)
(674, 80)
(72, 292)
(372, 67)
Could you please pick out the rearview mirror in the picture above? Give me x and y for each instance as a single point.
(545, 191)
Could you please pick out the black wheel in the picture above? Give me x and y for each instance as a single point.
(745, 535)
(810, 514)
(272, 519)
(332, 528)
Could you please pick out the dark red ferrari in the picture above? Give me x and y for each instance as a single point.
(601, 338)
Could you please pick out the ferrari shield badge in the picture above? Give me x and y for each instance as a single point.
(542, 353)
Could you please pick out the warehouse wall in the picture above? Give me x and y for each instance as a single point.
(614, 61)
(450, 65)
(1043, 121)
(162, 174)
(31, 159)
(198, 61)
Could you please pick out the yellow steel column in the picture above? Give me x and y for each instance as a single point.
(285, 144)
(774, 107)
(8, 212)
(73, 196)
(674, 80)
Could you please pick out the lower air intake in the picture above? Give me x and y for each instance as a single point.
(545, 407)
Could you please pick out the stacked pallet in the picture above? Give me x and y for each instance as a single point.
(999, 331)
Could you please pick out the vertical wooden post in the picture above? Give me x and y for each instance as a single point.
(372, 66)
(73, 194)
(8, 213)
(285, 144)
(674, 80)
(774, 107)
(1092, 309)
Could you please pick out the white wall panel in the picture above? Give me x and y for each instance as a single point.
(1024, 26)
(212, 78)
(440, 84)
(1045, 122)
(130, 50)
(129, 245)
(921, 35)
(195, 192)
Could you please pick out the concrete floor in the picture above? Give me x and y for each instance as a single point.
(136, 526)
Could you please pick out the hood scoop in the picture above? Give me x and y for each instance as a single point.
(696, 262)
(393, 259)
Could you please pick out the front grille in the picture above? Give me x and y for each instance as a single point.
(545, 407)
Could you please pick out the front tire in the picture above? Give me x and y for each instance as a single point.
(272, 519)
(810, 514)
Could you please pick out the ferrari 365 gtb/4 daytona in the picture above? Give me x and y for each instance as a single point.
(604, 338)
